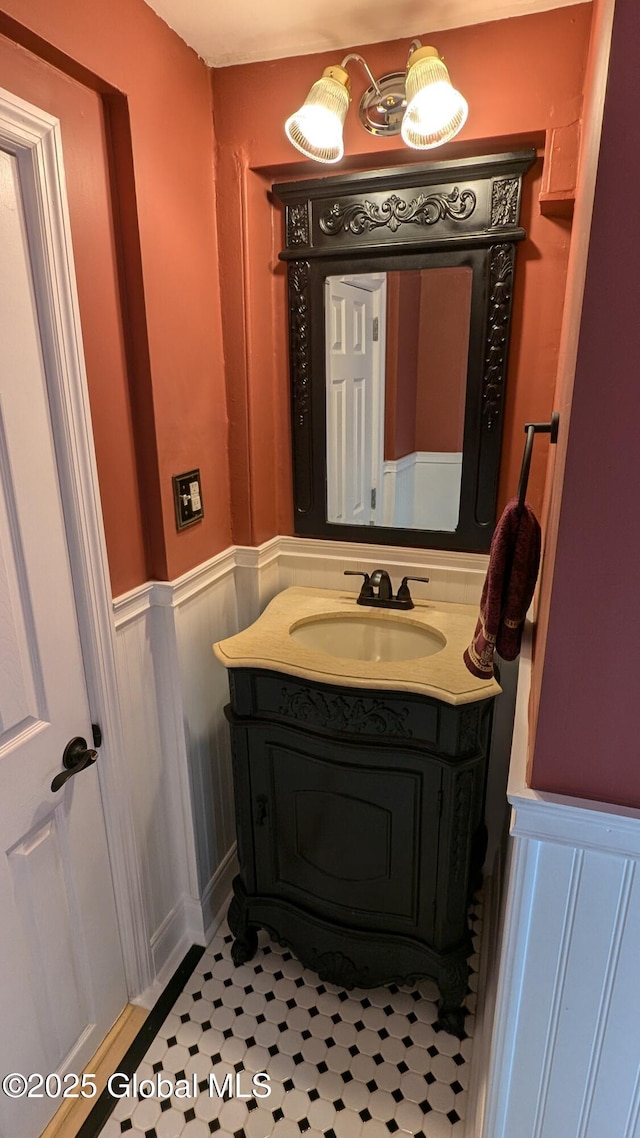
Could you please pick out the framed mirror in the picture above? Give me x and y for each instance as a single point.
(400, 290)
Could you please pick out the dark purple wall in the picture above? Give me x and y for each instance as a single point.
(587, 741)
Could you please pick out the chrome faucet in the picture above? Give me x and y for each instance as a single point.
(380, 580)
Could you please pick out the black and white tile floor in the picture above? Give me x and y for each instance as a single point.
(359, 1064)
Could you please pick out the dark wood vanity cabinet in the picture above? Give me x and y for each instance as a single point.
(360, 829)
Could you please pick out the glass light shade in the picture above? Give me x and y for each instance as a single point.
(316, 129)
(435, 110)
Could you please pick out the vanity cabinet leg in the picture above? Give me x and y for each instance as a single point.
(246, 936)
(452, 982)
(244, 946)
(451, 1019)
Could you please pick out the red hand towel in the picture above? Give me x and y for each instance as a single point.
(514, 560)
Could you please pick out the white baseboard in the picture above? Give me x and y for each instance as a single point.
(181, 928)
(485, 1005)
(215, 898)
(189, 922)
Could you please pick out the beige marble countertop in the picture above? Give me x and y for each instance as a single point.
(443, 675)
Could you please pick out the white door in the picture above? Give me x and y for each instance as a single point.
(61, 974)
(351, 470)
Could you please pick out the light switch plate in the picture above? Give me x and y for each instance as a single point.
(187, 496)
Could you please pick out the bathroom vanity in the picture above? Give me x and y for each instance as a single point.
(359, 790)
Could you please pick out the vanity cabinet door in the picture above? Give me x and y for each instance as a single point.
(344, 830)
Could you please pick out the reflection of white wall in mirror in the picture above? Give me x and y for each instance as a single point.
(422, 491)
(354, 388)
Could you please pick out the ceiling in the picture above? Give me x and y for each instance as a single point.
(225, 32)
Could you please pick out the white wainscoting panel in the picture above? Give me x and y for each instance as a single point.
(172, 694)
(162, 839)
(258, 578)
(422, 490)
(436, 490)
(154, 792)
(204, 615)
(456, 577)
(397, 491)
(564, 1057)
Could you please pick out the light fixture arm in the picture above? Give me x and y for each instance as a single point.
(364, 63)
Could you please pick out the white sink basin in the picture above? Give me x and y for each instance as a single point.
(364, 637)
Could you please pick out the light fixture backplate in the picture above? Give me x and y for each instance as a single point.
(381, 112)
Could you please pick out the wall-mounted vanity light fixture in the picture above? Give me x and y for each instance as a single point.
(422, 106)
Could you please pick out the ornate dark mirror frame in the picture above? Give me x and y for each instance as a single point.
(436, 214)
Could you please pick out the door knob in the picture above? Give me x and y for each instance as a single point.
(76, 758)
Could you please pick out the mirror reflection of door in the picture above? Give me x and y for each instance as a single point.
(354, 307)
(396, 395)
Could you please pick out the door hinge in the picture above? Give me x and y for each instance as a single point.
(373, 498)
(97, 734)
(375, 333)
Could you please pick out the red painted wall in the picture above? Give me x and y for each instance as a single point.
(444, 347)
(162, 406)
(401, 365)
(426, 360)
(533, 84)
(86, 165)
(150, 303)
(587, 738)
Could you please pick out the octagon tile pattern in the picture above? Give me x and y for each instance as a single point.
(359, 1064)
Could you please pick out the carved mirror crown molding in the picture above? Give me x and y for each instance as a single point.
(435, 214)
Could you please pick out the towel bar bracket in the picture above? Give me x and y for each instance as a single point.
(550, 428)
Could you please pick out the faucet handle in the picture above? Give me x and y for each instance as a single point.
(366, 590)
(403, 591)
